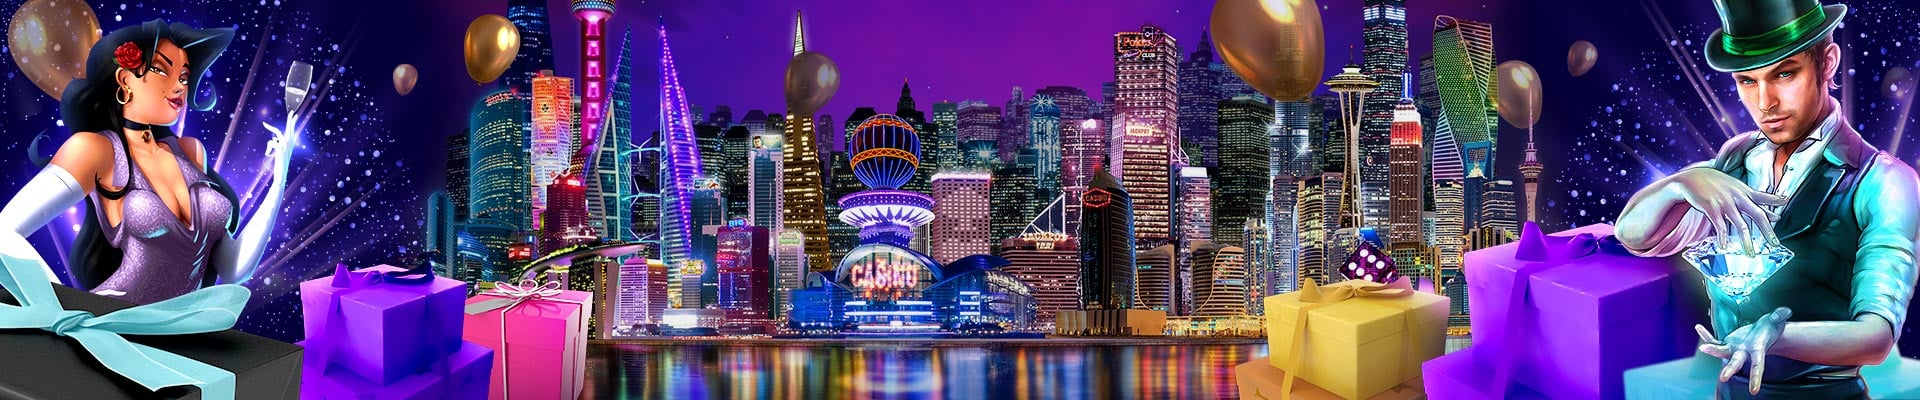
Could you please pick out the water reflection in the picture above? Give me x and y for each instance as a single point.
(914, 371)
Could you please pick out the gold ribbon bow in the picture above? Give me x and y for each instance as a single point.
(1322, 296)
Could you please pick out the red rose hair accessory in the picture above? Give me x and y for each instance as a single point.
(128, 56)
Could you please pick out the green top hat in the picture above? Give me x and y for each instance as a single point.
(1758, 33)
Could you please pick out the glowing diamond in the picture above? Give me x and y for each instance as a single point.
(1733, 270)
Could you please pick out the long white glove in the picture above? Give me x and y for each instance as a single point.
(50, 193)
(236, 258)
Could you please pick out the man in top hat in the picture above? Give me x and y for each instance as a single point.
(1806, 181)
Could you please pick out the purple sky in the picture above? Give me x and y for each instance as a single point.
(734, 52)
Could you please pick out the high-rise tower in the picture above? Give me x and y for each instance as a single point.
(1530, 170)
(1351, 85)
(1383, 59)
(680, 166)
(801, 178)
(593, 15)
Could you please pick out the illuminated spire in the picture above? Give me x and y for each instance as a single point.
(799, 34)
(680, 165)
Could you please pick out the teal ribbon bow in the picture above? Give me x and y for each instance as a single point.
(210, 309)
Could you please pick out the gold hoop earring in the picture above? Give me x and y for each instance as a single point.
(123, 100)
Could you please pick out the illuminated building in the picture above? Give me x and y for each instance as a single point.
(884, 287)
(1406, 183)
(1013, 198)
(763, 180)
(1352, 86)
(643, 292)
(553, 135)
(735, 151)
(963, 215)
(566, 218)
(1384, 60)
(1156, 276)
(1107, 250)
(790, 265)
(1497, 208)
(1200, 97)
(1244, 165)
(1014, 127)
(841, 182)
(979, 126)
(1044, 124)
(1146, 69)
(593, 15)
(476, 260)
(501, 187)
(1082, 148)
(460, 172)
(680, 166)
(802, 185)
(536, 44)
(743, 259)
(946, 123)
(443, 234)
(1417, 262)
(1221, 285)
(610, 181)
(1261, 276)
(1049, 262)
(1193, 225)
(1142, 160)
(1530, 170)
(1316, 225)
(1292, 157)
(1464, 65)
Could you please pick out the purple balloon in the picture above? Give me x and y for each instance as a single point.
(812, 78)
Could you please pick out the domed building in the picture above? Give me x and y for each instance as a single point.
(884, 287)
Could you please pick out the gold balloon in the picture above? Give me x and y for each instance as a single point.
(404, 76)
(1274, 45)
(1519, 94)
(812, 78)
(1580, 57)
(492, 41)
(49, 40)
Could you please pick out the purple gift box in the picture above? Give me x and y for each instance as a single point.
(1585, 312)
(382, 330)
(1459, 376)
(462, 376)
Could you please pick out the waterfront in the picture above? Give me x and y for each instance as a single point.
(910, 369)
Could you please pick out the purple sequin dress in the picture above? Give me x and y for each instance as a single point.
(163, 256)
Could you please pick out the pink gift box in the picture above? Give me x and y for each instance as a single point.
(543, 355)
(388, 331)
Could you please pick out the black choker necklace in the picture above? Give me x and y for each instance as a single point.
(161, 131)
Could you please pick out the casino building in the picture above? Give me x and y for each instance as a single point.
(883, 286)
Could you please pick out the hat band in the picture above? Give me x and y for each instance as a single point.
(1777, 38)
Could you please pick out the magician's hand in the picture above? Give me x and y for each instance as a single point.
(1747, 345)
(1732, 208)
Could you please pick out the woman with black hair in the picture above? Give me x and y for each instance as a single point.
(159, 223)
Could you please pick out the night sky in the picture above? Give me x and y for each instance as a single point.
(1601, 137)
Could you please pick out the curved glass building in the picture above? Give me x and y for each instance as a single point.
(883, 286)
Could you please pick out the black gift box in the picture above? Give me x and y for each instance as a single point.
(35, 364)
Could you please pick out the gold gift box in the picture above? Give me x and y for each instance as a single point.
(1361, 338)
(1259, 380)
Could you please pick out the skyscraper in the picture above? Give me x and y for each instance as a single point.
(1200, 95)
(1220, 280)
(1263, 278)
(1044, 123)
(680, 168)
(1082, 149)
(962, 215)
(1352, 87)
(1405, 185)
(643, 292)
(790, 257)
(1194, 226)
(459, 172)
(553, 135)
(1013, 127)
(763, 180)
(1050, 263)
(1146, 67)
(979, 126)
(842, 236)
(443, 234)
(1142, 156)
(1106, 254)
(1316, 226)
(735, 149)
(743, 259)
(946, 122)
(802, 179)
(593, 15)
(1244, 165)
(611, 182)
(1498, 209)
(1012, 197)
(536, 45)
(1464, 64)
(1384, 60)
(1156, 280)
(565, 222)
(502, 179)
